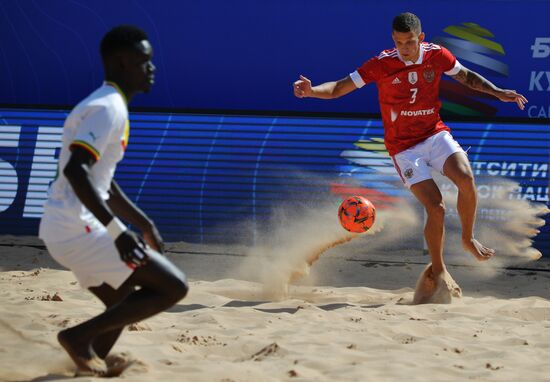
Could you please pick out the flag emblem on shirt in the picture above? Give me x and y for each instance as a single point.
(126, 136)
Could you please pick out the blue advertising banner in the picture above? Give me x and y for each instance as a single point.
(200, 176)
(245, 54)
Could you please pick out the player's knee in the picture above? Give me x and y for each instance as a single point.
(181, 289)
(465, 180)
(164, 278)
(436, 209)
(178, 288)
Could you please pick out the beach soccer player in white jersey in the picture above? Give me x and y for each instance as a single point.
(408, 78)
(81, 226)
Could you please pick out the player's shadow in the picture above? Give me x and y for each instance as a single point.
(241, 304)
(181, 308)
(50, 377)
(335, 306)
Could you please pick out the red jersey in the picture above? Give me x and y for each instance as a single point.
(408, 93)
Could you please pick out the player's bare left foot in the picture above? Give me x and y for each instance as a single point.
(81, 353)
(478, 250)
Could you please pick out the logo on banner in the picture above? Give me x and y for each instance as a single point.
(541, 47)
(413, 77)
(474, 44)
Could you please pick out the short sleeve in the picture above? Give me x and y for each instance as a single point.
(366, 73)
(456, 68)
(448, 62)
(98, 127)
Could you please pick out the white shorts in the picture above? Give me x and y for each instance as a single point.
(416, 163)
(93, 258)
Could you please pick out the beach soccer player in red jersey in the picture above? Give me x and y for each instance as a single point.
(407, 78)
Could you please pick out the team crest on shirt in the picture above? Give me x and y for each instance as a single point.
(408, 173)
(413, 78)
(428, 75)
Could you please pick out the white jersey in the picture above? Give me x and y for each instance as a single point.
(99, 124)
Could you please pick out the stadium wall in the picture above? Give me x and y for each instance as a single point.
(245, 54)
(216, 178)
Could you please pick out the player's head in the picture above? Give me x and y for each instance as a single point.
(127, 53)
(407, 35)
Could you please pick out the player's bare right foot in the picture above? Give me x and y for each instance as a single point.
(81, 353)
(478, 250)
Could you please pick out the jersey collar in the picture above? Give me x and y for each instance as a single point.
(118, 89)
(418, 61)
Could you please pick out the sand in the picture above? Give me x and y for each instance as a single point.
(350, 319)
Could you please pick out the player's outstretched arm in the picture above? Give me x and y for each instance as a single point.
(477, 82)
(124, 208)
(327, 90)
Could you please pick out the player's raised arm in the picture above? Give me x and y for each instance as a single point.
(327, 90)
(475, 81)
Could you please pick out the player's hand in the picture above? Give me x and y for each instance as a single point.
(302, 87)
(131, 249)
(506, 95)
(152, 237)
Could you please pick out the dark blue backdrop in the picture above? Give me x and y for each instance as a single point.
(245, 54)
(201, 177)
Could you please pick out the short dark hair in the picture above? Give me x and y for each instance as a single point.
(407, 22)
(123, 37)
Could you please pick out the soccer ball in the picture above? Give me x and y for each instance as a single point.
(356, 214)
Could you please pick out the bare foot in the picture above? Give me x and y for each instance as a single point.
(478, 250)
(81, 353)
